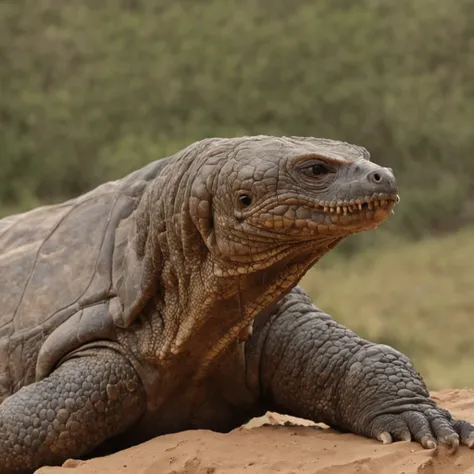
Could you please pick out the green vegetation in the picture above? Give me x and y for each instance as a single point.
(417, 298)
(92, 90)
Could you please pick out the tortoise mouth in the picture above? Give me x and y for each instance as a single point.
(376, 201)
(325, 217)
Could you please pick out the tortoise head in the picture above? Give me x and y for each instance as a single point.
(261, 199)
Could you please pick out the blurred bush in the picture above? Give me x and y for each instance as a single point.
(91, 90)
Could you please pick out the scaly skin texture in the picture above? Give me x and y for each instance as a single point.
(85, 401)
(310, 366)
(167, 301)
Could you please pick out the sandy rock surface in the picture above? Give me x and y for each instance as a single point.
(277, 444)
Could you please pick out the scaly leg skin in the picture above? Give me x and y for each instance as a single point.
(92, 396)
(310, 366)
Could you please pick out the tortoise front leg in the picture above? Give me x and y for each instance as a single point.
(91, 397)
(307, 365)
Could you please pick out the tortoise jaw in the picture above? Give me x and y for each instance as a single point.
(364, 215)
(328, 217)
(376, 201)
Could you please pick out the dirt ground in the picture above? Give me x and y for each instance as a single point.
(277, 444)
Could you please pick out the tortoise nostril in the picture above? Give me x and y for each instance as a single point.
(379, 177)
(382, 180)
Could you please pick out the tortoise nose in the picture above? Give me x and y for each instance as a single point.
(383, 179)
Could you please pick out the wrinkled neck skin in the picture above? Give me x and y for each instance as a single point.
(198, 303)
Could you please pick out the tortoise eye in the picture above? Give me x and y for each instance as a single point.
(245, 199)
(318, 170)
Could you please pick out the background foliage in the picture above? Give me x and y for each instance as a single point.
(91, 90)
